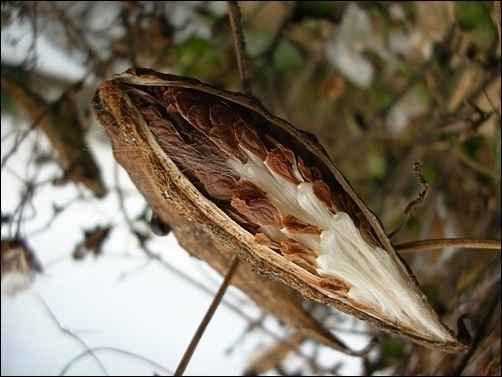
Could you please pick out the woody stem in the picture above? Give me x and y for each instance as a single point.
(234, 262)
(442, 243)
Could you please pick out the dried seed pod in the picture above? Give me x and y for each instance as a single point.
(269, 191)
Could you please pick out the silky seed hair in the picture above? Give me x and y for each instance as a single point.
(270, 188)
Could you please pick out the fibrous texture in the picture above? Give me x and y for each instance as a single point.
(276, 186)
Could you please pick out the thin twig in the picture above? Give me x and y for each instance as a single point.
(234, 16)
(410, 209)
(19, 138)
(77, 35)
(234, 262)
(490, 305)
(441, 243)
(73, 335)
(93, 351)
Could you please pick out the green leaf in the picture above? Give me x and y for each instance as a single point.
(474, 16)
(472, 145)
(286, 55)
(196, 57)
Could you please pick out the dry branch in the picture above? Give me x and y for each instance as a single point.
(60, 123)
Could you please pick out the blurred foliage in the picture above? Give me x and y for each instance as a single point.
(381, 84)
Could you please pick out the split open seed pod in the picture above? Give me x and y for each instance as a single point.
(269, 191)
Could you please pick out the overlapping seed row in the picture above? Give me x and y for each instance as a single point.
(271, 186)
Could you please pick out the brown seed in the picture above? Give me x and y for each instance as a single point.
(226, 141)
(248, 139)
(323, 194)
(297, 252)
(247, 190)
(281, 161)
(334, 284)
(258, 211)
(295, 225)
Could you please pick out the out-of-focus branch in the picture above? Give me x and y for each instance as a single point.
(59, 122)
(76, 34)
